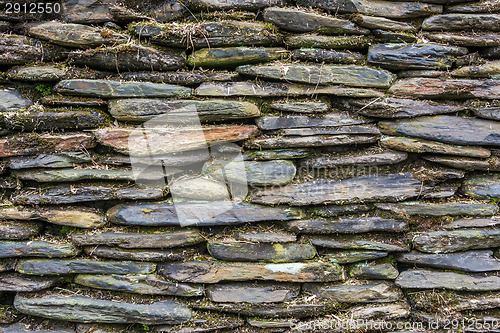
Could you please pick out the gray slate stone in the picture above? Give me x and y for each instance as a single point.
(467, 163)
(140, 254)
(446, 22)
(85, 309)
(207, 214)
(486, 6)
(301, 107)
(336, 130)
(72, 175)
(260, 292)
(358, 242)
(11, 101)
(448, 129)
(86, 266)
(425, 279)
(482, 186)
(366, 157)
(444, 209)
(147, 284)
(465, 38)
(472, 261)
(346, 257)
(373, 271)
(38, 73)
(346, 225)
(18, 230)
(414, 56)
(201, 5)
(313, 141)
(277, 252)
(328, 120)
(10, 249)
(328, 56)
(382, 292)
(473, 223)
(61, 160)
(15, 282)
(373, 22)
(456, 240)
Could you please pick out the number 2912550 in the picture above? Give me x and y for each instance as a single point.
(32, 8)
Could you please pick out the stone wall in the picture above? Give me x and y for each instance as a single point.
(368, 135)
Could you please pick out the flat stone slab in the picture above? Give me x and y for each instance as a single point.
(44, 143)
(424, 279)
(127, 140)
(257, 173)
(212, 34)
(312, 141)
(85, 266)
(128, 240)
(26, 328)
(329, 42)
(447, 22)
(358, 242)
(472, 39)
(349, 75)
(206, 214)
(382, 292)
(259, 292)
(472, 261)
(217, 271)
(373, 271)
(73, 175)
(488, 113)
(456, 240)
(295, 20)
(269, 89)
(12, 101)
(364, 157)
(277, 154)
(73, 35)
(327, 56)
(201, 188)
(85, 309)
(147, 284)
(437, 88)
(202, 5)
(345, 225)
(473, 223)
(129, 57)
(393, 187)
(336, 130)
(373, 22)
(328, 120)
(467, 163)
(18, 230)
(265, 237)
(141, 110)
(350, 256)
(389, 107)
(53, 161)
(277, 252)
(230, 57)
(475, 7)
(19, 50)
(445, 209)
(413, 56)
(428, 146)
(300, 107)
(11, 249)
(156, 255)
(65, 194)
(15, 282)
(448, 129)
(117, 89)
(487, 70)
(482, 186)
(336, 210)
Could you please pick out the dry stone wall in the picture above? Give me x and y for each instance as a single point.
(366, 193)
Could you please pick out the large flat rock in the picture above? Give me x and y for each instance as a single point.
(373, 271)
(425, 279)
(147, 284)
(86, 309)
(85, 266)
(15, 282)
(392, 187)
(301, 107)
(11, 101)
(277, 252)
(428, 146)
(230, 57)
(444, 209)
(352, 256)
(157, 255)
(141, 110)
(349, 75)
(65, 194)
(352, 42)
(374, 22)
(437, 88)
(456, 240)
(129, 57)
(73, 35)
(313, 141)
(465, 38)
(117, 89)
(214, 5)
(364, 157)
(448, 129)
(203, 214)
(257, 173)
(381, 292)
(73, 175)
(257, 292)
(131, 141)
(217, 271)
(358, 242)
(414, 56)
(18, 230)
(467, 163)
(486, 6)
(328, 120)
(269, 89)
(472, 261)
(482, 186)
(487, 70)
(346, 225)
(446, 22)
(331, 131)
(10, 249)
(389, 9)
(51, 161)
(295, 20)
